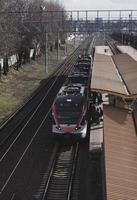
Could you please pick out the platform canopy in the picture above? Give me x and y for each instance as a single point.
(116, 75)
(120, 144)
(127, 68)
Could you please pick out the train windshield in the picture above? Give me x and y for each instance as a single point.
(68, 112)
(68, 117)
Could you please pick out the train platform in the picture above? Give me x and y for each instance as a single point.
(96, 138)
(96, 130)
(105, 50)
(120, 145)
(129, 50)
(135, 117)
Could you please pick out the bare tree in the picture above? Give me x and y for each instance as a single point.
(23, 24)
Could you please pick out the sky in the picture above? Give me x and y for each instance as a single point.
(99, 4)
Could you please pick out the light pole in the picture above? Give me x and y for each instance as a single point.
(122, 38)
(58, 44)
(42, 8)
(129, 29)
(46, 49)
(129, 21)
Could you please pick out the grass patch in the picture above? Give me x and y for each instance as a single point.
(8, 102)
(18, 85)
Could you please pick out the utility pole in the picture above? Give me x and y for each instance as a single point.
(46, 51)
(58, 46)
(45, 37)
(75, 40)
(0, 71)
(122, 40)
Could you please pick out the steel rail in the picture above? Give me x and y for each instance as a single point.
(13, 197)
(70, 64)
(73, 172)
(25, 151)
(61, 174)
(113, 48)
(58, 73)
(38, 89)
(62, 72)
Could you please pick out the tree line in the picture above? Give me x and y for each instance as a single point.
(23, 24)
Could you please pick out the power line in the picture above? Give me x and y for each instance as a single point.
(67, 11)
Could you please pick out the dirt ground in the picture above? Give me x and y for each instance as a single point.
(18, 85)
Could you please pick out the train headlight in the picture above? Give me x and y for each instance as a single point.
(77, 128)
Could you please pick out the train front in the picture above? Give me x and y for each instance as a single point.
(69, 116)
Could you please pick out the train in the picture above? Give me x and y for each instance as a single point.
(70, 107)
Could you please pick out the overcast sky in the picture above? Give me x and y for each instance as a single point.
(99, 4)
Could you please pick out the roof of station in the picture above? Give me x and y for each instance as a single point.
(120, 142)
(116, 75)
(127, 68)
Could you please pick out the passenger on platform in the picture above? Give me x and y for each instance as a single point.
(133, 105)
(94, 97)
(99, 96)
(92, 112)
(93, 109)
(112, 100)
(97, 116)
(100, 114)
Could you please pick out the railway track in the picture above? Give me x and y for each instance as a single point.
(20, 148)
(35, 94)
(35, 121)
(61, 173)
(113, 48)
(20, 118)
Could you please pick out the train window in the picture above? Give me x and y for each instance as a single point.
(68, 106)
(68, 117)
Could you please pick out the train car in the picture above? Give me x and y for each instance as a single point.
(69, 111)
(82, 68)
(84, 59)
(78, 77)
(83, 65)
